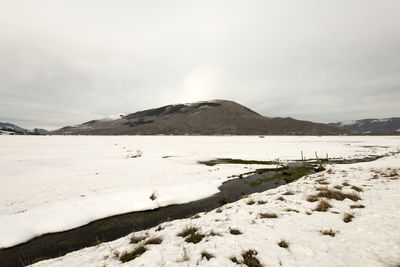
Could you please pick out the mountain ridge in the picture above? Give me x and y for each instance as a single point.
(371, 126)
(215, 117)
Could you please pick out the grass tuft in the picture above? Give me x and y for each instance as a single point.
(137, 238)
(329, 232)
(345, 184)
(194, 238)
(332, 194)
(188, 231)
(249, 258)
(356, 188)
(347, 217)
(154, 241)
(207, 255)
(153, 196)
(357, 206)
(283, 244)
(292, 210)
(268, 215)
(261, 202)
(128, 256)
(250, 202)
(312, 198)
(323, 206)
(235, 232)
(191, 235)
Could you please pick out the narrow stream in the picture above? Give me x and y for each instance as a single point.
(58, 244)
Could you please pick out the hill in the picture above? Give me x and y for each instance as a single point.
(216, 117)
(371, 126)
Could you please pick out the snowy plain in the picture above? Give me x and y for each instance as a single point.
(55, 183)
(313, 237)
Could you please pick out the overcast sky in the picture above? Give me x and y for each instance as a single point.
(67, 62)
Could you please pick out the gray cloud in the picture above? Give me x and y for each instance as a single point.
(65, 62)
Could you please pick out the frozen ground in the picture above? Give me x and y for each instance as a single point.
(54, 183)
(359, 230)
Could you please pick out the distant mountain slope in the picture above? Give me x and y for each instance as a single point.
(9, 127)
(217, 117)
(371, 125)
(12, 127)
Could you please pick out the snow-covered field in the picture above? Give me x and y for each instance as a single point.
(54, 183)
(360, 230)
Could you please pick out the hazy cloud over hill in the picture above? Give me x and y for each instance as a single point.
(65, 62)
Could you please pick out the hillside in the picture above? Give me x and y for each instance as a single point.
(217, 117)
(371, 126)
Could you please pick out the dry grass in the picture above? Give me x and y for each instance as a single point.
(235, 232)
(321, 188)
(323, 206)
(339, 187)
(195, 216)
(347, 217)
(250, 202)
(356, 188)
(332, 194)
(357, 206)
(128, 256)
(154, 241)
(249, 258)
(288, 193)
(137, 238)
(280, 199)
(329, 232)
(283, 244)
(191, 235)
(207, 255)
(188, 231)
(261, 202)
(292, 210)
(268, 215)
(345, 184)
(153, 196)
(312, 198)
(194, 238)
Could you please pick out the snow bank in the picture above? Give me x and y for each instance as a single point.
(314, 238)
(54, 183)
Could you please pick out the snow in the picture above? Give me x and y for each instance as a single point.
(372, 238)
(55, 183)
(115, 117)
(380, 120)
(346, 123)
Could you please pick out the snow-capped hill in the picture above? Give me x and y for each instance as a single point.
(371, 126)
